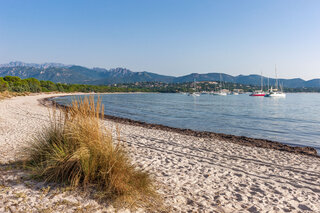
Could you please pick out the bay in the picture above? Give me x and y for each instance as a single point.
(294, 120)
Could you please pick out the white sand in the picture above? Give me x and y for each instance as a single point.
(194, 174)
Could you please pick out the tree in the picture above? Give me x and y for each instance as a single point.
(20, 86)
(16, 84)
(48, 86)
(34, 84)
(3, 85)
(60, 87)
(11, 79)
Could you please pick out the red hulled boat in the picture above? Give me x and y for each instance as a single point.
(258, 93)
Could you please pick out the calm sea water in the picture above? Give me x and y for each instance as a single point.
(292, 120)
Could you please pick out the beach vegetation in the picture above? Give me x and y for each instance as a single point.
(77, 150)
(16, 84)
(3, 85)
(48, 86)
(33, 84)
(6, 94)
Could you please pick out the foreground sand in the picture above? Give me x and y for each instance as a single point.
(196, 174)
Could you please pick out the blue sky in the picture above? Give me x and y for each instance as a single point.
(172, 37)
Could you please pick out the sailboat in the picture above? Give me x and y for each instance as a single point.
(277, 92)
(195, 94)
(221, 92)
(259, 92)
(234, 93)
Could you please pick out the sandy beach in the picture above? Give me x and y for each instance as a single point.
(196, 174)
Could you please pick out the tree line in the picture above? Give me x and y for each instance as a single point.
(33, 85)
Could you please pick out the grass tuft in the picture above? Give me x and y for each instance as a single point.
(7, 94)
(77, 150)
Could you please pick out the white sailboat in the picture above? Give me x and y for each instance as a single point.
(221, 92)
(277, 92)
(259, 93)
(195, 94)
(234, 93)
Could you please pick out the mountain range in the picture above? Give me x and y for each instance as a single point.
(74, 74)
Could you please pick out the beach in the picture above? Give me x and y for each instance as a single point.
(193, 173)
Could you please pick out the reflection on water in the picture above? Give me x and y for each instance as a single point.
(293, 120)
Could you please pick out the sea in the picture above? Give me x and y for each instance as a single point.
(293, 120)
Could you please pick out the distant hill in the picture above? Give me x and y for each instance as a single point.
(22, 64)
(123, 75)
(57, 72)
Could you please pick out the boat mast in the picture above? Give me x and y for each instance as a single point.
(261, 82)
(275, 69)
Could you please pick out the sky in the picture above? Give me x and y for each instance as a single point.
(170, 37)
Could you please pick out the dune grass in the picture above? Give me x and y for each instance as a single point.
(77, 150)
(7, 94)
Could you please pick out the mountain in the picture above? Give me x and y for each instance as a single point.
(73, 74)
(204, 77)
(57, 72)
(313, 83)
(78, 75)
(22, 64)
(123, 75)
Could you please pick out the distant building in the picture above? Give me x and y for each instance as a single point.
(212, 82)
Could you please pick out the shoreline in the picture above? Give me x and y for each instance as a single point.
(242, 140)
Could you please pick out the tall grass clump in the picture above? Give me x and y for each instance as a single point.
(6, 94)
(77, 150)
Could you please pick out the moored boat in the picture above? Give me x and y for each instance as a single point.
(221, 92)
(276, 92)
(258, 93)
(195, 94)
(234, 93)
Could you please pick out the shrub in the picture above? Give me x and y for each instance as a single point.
(47, 86)
(3, 85)
(10, 79)
(34, 85)
(19, 86)
(77, 150)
